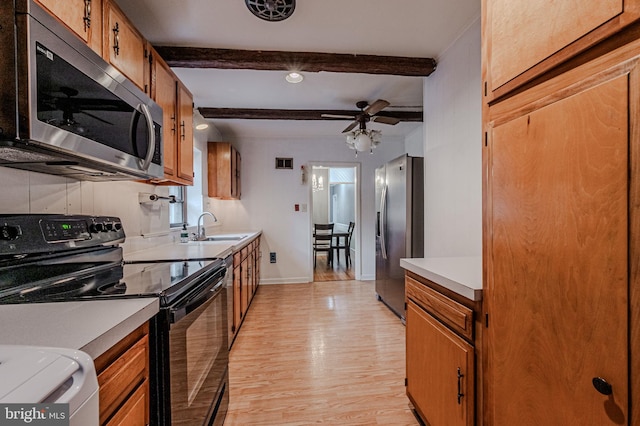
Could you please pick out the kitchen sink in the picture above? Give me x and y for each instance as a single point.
(224, 237)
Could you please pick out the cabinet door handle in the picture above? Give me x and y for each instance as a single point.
(602, 386)
(173, 124)
(87, 15)
(460, 394)
(116, 39)
(182, 130)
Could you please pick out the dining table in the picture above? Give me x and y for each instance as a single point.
(338, 235)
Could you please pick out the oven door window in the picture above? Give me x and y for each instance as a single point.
(199, 358)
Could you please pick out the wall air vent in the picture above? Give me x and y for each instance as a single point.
(284, 163)
(271, 10)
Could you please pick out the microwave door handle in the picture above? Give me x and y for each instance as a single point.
(152, 138)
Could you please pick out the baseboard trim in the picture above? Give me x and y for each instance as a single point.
(293, 280)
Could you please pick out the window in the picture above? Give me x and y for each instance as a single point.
(178, 210)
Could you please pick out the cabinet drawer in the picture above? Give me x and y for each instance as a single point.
(121, 377)
(134, 410)
(451, 313)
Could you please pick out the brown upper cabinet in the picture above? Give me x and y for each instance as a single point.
(104, 27)
(177, 105)
(523, 39)
(185, 133)
(124, 47)
(223, 165)
(82, 17)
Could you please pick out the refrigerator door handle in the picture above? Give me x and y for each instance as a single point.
(383, 222)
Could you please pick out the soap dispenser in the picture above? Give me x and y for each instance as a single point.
(184, 234)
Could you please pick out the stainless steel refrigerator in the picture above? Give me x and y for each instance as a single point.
(399, 226)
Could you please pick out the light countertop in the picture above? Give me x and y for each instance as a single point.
(191, 250)
(462, 275)
(94, 326)
(91, 326)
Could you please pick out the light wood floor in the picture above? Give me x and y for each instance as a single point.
(326, 353)
(336, 272)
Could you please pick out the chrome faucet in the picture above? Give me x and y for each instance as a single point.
(200, 231)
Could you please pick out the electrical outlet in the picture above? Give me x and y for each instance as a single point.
(272, 257)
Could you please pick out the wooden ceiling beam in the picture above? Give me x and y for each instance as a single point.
(297, 114)
(197, 57)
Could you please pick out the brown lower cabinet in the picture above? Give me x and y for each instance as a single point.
(246, 277)
(123, 379)
(443, 354)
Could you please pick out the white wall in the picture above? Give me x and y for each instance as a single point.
(453, 150)
(269, 196)
(30, 192)
(414, 142)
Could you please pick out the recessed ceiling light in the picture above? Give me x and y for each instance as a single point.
(294, 77)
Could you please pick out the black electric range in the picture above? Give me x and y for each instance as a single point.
(52, 258)
(55, 258)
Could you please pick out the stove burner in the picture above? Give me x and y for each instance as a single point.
(114, 288)
(32, 283)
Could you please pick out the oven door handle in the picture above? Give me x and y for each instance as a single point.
(190, 304)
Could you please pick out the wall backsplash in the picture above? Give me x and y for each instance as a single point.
(30, 192)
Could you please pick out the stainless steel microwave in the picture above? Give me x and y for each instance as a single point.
(64, 110)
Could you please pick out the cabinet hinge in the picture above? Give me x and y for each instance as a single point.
(486, 139)
(406, 382)
(405, 306)
(486, 320)
(485, 88)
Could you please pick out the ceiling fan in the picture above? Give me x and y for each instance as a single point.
(368, 113)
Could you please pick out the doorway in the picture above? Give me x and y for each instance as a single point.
(334, 198)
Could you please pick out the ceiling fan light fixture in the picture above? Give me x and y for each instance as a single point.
(294, 77)
(362, 142)
(351, 138)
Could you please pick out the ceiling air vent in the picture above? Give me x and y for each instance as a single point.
(271, 10)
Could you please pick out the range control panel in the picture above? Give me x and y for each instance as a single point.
(26, 234)
(64, 230)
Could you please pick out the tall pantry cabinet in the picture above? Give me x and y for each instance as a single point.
(561, 157)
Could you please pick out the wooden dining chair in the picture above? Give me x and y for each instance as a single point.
(322, 241)
(345, 244)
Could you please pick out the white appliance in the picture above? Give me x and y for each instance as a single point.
(30, 374)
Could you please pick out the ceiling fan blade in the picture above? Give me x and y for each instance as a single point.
(376, 106)
(350, 127)
(385, 120)
(337, 116)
